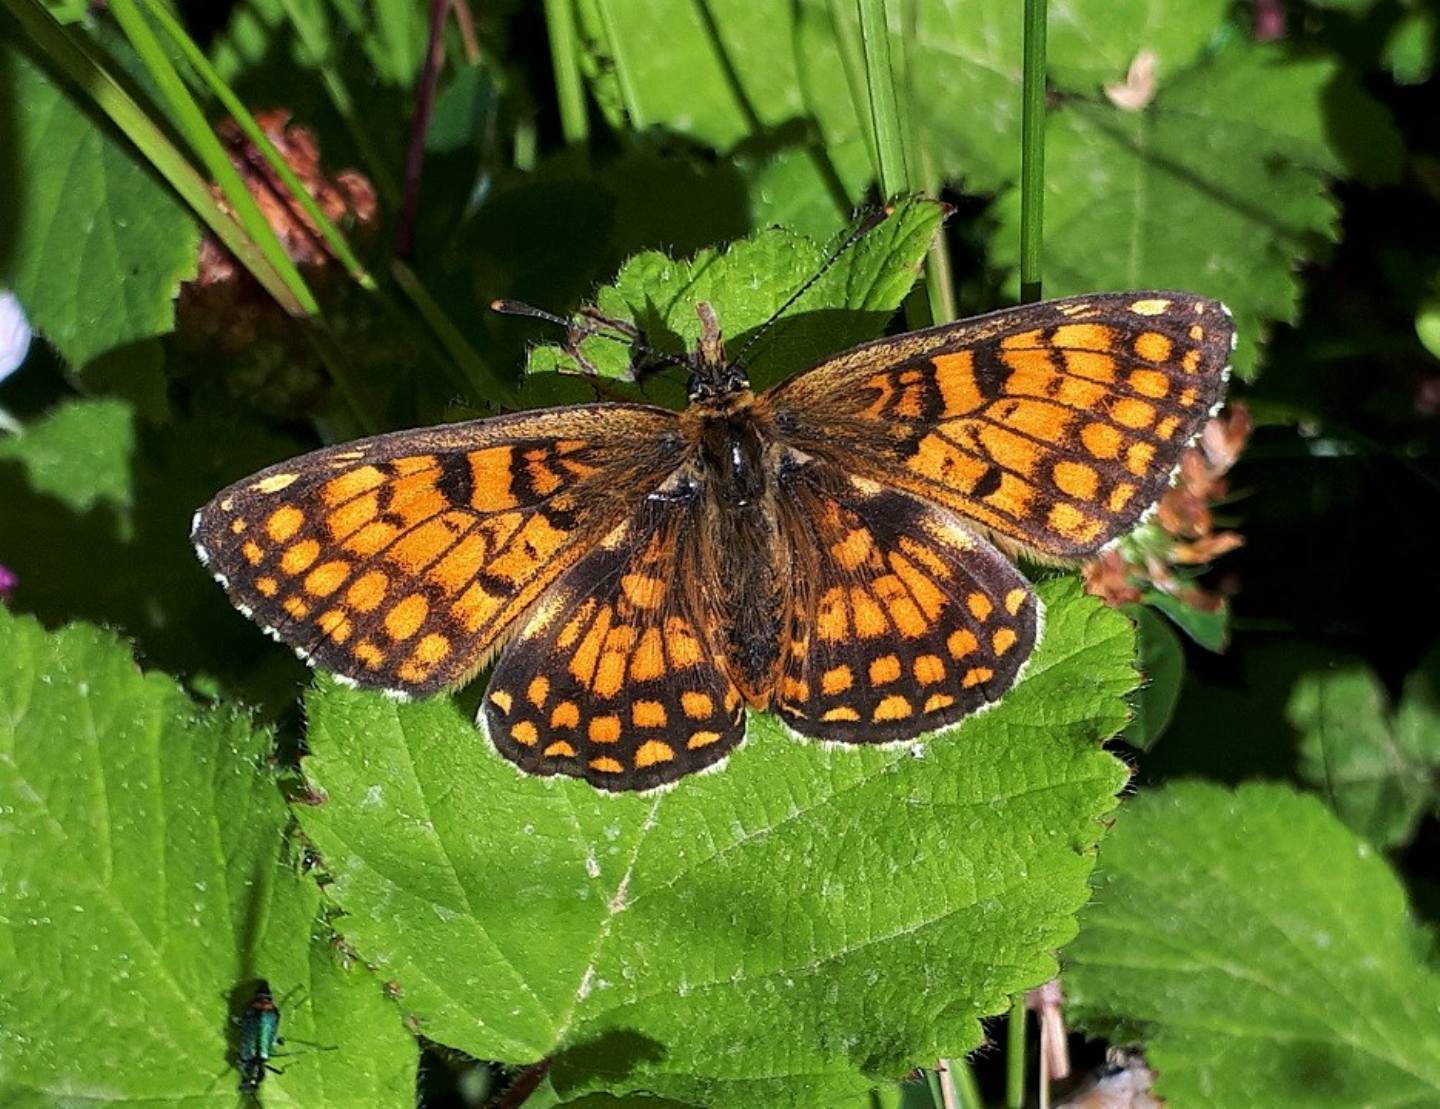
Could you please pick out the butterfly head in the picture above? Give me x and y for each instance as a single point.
(714, 381)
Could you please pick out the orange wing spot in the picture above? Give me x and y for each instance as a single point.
(906, 617)
(648, 661)
(836, 680)
(267, 586)
(351, 485)
(1187, 397)
(652, 751)
(926, 593)
(1166, 427)
(980, 606)
(604, 729)
(832, 617)
(1138, 458)
(697, 706)
(1086, 336)
(367, 591)
(237, 525)
(327, 577)
(432, 649)
(1014, 451)
(412, 671)
(1129, 412)
(274, 483)
(961, 643)
(372, 538)
(566, 714)
(1196, 332)
(346, 520)
(1003, 640)
(1076, 480)
(561, 749)
(1120, 496)
(937, 701)
(1033, 338)
(370, 654)
(1153, 347)
(643, 591)
(929, 669)
(503, 699)
(1070, 522)
(252, 552)
(1102, 440)
(526, 733)
(1149, 383)
(848, 715)
(491, 475)
(976, 675)
(300, 556)
(1031, 370)
(1090, 365)
(542, 479)
(610, 674)
(884, 669)
(941, 460)
(955, 377)
(925, 556)
(869, 617)
(894, 707)
(1149, 307)
(536, 542)
(538, 691)
(296, 607)
(606, 765)
(573, 627)
(415, 464)
(335, 624)
(425, 543)
(648, 714)
(852, 551)
(1013, 600)
(702, 739)
(587, 656)
(680, 641)
(793, 689)
(458, 568)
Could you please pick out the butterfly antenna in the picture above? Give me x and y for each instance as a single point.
(872, 220)
(603, 327)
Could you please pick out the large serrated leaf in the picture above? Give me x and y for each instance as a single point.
(1262, 953)
(92, 243)
(796, 926)
(147, 879)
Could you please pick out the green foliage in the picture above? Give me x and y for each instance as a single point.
(1162, 669)
(1260, 951)
(760, 934)
(87, 284)
(150, 873)
(1379, 770)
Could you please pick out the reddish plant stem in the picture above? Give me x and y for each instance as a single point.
(419, 125)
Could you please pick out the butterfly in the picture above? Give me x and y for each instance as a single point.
(829, 549)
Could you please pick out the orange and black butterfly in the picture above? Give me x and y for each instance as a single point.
(826, 550)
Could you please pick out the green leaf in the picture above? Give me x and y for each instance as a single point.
(1162, 670)
(800, 925)
(748, 281)
(1209, 629)
(148, 879)
(1208, 188)
(1261, 952)
(79, 454)
(94, 246)
(1379, 775)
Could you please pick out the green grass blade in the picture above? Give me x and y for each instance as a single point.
(1032, 152)
(207, 73)
(564, 47)
(1015, 1055)
(628, 92)
(69, 52)
(885, 122)
(479, 378)
(189, 120)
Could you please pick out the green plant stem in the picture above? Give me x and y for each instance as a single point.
(628, 92)
(207, 73)
(314, 41)
(884, 105)
(937, 1095)
(564, 53)
(69, 53)
(852, 58)
(1032, 152)
(1015, 1055)
(478, 377)
(967, 1092)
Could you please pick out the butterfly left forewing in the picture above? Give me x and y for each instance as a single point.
(400, 561)
(1054, 425)
(904, 621)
